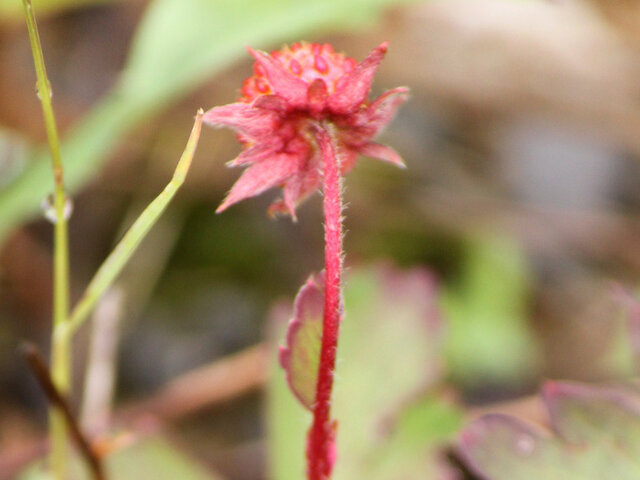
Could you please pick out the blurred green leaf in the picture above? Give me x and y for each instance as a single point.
(620, 357)
(179, 44)
(489, 338)
(155, 458)
(388, 354)
(412, 451)
(152, 458)
(14, 151)
(597, 437)
(11, 10)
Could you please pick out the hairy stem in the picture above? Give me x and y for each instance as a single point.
(60, 345)
(320, 449)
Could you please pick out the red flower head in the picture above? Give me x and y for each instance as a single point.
(291, 92)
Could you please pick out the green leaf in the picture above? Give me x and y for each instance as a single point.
(178, 45)
(597, 437)
(489, 339)
(388, 354)
(301, 356)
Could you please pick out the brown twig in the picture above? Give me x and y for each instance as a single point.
(220, 381)
(41, 372)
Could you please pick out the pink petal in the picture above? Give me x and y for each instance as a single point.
(242, 117)
(381, 152)
(298, 188)
(365, 125)
(278, 207)
(284, 84)
(353, 88)
(258, 152)
(271, 102)
(260, 177)
(317, 96)
(301, 355)
(362, 126)
(382, 110)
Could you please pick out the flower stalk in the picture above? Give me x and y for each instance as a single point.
(320, 447)
(61, 341)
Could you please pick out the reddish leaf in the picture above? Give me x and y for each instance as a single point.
(301, 355)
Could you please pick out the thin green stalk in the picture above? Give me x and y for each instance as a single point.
(60, 347)
(64, 325)
(123, 251)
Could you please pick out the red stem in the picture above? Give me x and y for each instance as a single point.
(320, 448)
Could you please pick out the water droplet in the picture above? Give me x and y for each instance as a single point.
(525, 445)
(38, 91)
(49, 210)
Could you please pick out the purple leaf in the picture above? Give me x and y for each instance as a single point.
(497, 443)
(597, 437)
(584, 413)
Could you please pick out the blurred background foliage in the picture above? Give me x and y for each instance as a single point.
(521, 141)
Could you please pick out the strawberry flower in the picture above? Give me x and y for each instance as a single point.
(292, 94)
(303, 117)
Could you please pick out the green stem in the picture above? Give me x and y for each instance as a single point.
(60, 346)
(123, 251)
